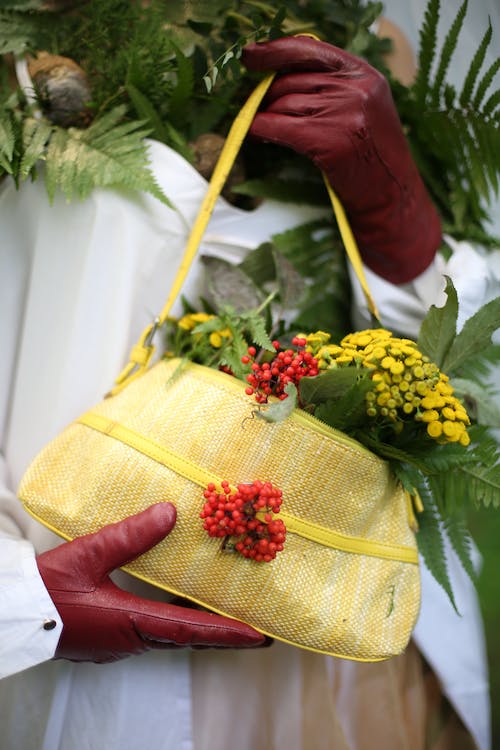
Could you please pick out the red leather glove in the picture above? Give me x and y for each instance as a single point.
(338, 110)
(103, 623)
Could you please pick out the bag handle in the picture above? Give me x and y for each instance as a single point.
(142, 352)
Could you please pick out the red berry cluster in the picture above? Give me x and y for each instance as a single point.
(271, 378)
(235, 515)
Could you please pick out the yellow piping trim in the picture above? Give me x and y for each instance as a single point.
(199, 476)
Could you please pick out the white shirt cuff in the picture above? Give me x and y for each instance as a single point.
(30, 626)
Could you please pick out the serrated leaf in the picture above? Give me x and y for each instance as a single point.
(106, 154)
(427, 49)
(257, 330)
(444, 458)
(481, 484)
(485, 83)
(233, 352)
(461, 542)
(330, 384)
(480, 405)
(346, 412)
(146, 112)
(474, 68)
(279, 410)
(449, 47)
(431, 544)
(439, 326)
(36, 134)
(7, 143)
(230, 285)
(474, 336)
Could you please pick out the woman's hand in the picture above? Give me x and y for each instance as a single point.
(103, 623)
(336, 109)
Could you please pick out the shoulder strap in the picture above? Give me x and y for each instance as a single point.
(142, 352)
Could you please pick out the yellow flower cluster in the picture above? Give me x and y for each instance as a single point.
(406, 384)
(191, 320)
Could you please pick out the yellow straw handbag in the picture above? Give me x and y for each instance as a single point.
(347, 580)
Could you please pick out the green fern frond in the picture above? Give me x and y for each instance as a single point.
(107, 154)
(431, 543)
(487, 142)
(146, 112)
(473, 167)
(234, 351)
(449, 47)
(427, 50)
(36, 134)
(445, 489)
(491, 104)
(475, 67)
(485, 83)
(460, 538)
(481, 484)
(7, 143)
(443, 459)
(257, 330)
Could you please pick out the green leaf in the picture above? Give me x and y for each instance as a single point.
(461, 541)
(481, 406)
(108, 154)
(427, 50)
(449, 47)
(259, 264)
(481, 484)
(452, 517)
(485, 83)
(332, 384)
(7, 143)
(230, 285)
(347, 411)
(36, 134)
(492, 103)
(431, 543)
(444, 458)
(257, 330)
(279, 410)
(474, 336)
(475, 67)
(146, 112)
(438, 328)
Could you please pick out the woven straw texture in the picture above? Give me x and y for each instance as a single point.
(352, 605)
